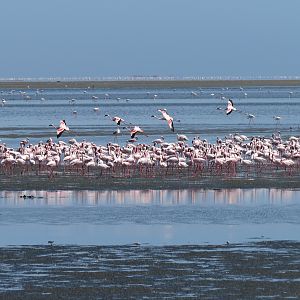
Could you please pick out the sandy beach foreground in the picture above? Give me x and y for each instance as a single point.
(263, 269)
(156, 84)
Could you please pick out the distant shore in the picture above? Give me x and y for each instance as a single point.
(144, 84)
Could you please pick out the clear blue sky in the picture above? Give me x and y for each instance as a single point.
(75, 38)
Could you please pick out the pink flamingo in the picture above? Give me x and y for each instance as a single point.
(62, 127)
(167, 117)
(116, 119)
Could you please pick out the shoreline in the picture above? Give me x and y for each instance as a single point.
(67, 182)
(144, 84)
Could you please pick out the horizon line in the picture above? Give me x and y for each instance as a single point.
(147, 78)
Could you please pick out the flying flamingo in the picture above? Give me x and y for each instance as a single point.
(167, 117)
(62, 127)
(230, 108)
(116, 119)
(135, 130)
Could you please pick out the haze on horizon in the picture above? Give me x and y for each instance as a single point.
(160, 37)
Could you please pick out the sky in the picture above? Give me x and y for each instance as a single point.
(102, 38)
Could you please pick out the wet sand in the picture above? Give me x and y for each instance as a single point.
(144, 84)
(234, 271)
(77, 182)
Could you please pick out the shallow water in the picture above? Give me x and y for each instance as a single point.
(149, 243)
(160, 217)
(198, 114)
(253, 271)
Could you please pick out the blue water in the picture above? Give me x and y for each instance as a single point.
(198, 114)
(165, 217)
(155, 217)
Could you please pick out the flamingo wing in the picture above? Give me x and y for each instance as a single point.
(229, 108)
(62, 127)
(171, 124)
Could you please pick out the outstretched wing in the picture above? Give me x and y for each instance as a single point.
(229, 108)
(171, 124)
(62, 127)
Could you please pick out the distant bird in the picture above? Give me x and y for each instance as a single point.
(250, 117)
(230, 108)
(135, 130)
(167, 117)
(62, 127)
(162, 118)
(158, 141)
(94, 97)
(96, 109)
(115, 119)
(277, 119)
(117, 133)
(182, 138)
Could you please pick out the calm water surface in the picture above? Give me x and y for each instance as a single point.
(149, 217)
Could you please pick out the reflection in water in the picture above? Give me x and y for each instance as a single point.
(151, 197)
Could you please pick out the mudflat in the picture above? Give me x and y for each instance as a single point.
(144, 84)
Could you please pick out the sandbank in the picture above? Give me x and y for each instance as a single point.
(145, 84)
(77, 182)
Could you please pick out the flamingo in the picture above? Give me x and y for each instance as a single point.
(250, 117)
(277, 119)
(117, 133)
(62, 127)
(134, 131)
(116, 119)
(182, 137)
(230, 108)
(167, 117)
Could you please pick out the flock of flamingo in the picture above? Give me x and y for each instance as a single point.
(235, 155)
